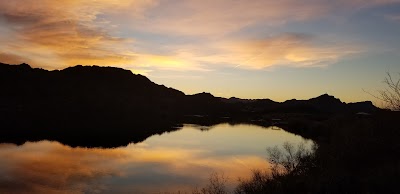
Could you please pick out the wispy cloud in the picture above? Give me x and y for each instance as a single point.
(287, 49)
(56, 34)
(63, 32)
(221, 17)
(175, 61)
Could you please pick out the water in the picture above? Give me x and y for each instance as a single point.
(178, 161)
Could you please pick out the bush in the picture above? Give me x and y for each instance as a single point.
(216, 185)
(390, 95)
(288, 165)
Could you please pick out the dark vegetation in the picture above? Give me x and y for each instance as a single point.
(357, 145)
(390, 95)
(216, 185)
(351, 154)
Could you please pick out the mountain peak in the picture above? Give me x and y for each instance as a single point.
(326, 95)
(96, 69)
(326, 98)
(25, 66)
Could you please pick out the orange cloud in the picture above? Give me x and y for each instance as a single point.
(63, 33)
(296, 50)
(176, 62)
(289, 49)
(56, 34)
(12, 58)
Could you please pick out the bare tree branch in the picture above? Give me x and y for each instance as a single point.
(390, 95)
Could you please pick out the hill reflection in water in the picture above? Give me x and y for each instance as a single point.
(176, 161)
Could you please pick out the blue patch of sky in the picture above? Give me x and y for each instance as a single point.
(373, 26)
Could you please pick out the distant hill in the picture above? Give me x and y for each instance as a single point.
(324, 104)
(100, 100)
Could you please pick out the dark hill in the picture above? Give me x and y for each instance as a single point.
(109, 102)
(322, 104)
(84, 95)
(103, 104)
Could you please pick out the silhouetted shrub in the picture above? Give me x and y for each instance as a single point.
(390, 95)
(216, 185)
(288, 164)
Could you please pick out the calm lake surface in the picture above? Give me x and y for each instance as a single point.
(173, 162)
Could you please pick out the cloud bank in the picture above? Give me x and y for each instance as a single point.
(192, 35)
(72, 32)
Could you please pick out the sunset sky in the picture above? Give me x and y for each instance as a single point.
(249, 49)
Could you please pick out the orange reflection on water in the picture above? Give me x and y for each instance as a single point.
(50, 167)
(172, 162)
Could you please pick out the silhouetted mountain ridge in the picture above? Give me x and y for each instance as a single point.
(117, 89)
(322, 104)
(110, 100)
(88, 94)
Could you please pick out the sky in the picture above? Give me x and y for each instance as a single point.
(248, 49)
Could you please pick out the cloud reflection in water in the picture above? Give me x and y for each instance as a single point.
(177, 161)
